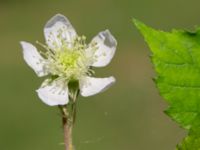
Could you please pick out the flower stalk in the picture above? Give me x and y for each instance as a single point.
(68, 118)
(69, 115)
(67, 128)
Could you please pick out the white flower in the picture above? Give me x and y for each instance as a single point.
(67, 58)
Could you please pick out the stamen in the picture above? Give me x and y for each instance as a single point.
(69, 62)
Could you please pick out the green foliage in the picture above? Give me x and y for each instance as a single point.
(176, 59)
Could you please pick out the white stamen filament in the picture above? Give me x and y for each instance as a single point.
(69, 62)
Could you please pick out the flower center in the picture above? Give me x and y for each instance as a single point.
(68, 59)
(70, 62)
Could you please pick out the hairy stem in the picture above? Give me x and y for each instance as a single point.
(67, 128)
(67, 121)
(69, 114)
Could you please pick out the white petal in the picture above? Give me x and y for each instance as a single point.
(54, 94)
(91, 86)
(33, 58)
(58, 25)
(106, 45)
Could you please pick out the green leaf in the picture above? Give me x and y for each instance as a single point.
(176, 59)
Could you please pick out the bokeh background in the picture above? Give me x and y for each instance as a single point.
(128, 116)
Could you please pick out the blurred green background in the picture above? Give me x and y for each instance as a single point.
(126, 117)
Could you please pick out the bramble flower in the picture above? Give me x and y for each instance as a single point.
(68, 58)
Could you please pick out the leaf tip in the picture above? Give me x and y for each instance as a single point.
(139, 25)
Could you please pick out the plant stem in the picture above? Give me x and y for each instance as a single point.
(67, 127)
(69, 114)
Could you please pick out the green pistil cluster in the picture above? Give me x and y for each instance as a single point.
(71, 62)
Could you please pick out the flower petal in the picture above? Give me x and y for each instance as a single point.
(33, 58)
(90, 86)
(58, 29)
(54, 93)
(106, 45)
